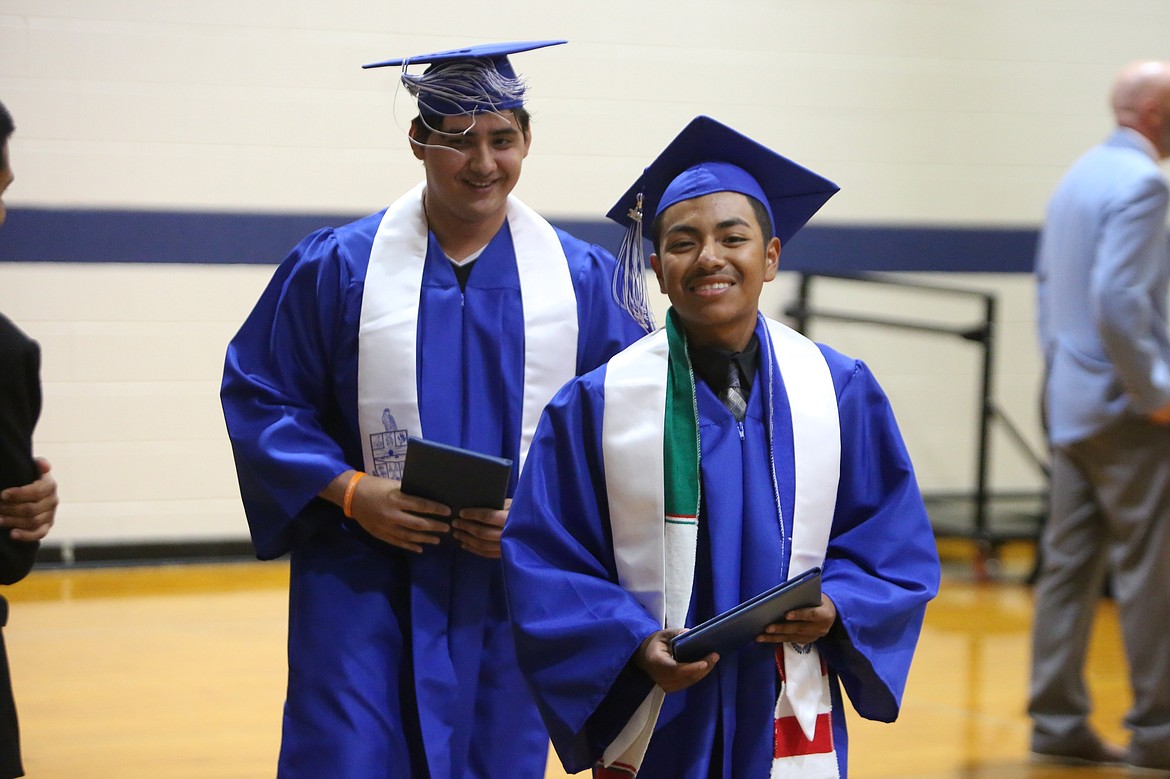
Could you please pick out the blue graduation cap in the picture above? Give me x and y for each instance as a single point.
(708, 157)
(470, 80)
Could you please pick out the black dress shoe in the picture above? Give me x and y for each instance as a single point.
(1085, 751)
(1138, 766)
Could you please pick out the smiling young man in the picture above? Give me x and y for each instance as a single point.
(704, 464)
(472, 163)
(453, 315)
(708, 264)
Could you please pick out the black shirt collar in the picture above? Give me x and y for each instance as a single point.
(710, 364)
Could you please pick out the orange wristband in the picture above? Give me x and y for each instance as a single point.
(347, 501)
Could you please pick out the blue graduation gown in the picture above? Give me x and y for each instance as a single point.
(576, 627)
(397, 662)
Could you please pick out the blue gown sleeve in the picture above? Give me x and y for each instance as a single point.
(882, 566)
(558, 565)
(605, 327)
(279, 395)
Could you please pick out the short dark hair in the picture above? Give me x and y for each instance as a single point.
(6, 125)
(424, 123)
(6, 129)
(757, 207)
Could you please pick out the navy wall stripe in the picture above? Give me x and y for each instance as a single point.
(83, 235)
(100, 235)
(855, 248)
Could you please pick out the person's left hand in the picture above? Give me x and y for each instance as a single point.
(802, 626)
(478, 530)
(30, 510)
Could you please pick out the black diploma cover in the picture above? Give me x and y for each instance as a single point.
(741, 624)
(455, 477)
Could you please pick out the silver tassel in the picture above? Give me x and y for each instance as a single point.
(629, 277)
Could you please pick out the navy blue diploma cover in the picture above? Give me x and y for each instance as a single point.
(455, 477)
(737, 626)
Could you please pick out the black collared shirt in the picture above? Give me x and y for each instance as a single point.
(710, 364)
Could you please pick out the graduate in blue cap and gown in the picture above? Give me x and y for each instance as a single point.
(454, 315)
(704, 464)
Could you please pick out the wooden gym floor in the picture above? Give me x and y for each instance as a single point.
(177, 672)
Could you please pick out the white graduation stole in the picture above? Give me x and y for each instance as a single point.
(387, 350)
(655, 557)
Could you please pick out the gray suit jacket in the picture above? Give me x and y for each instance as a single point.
(1103, 272)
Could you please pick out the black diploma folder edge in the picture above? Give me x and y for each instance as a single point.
(741, 624)
(456, 477)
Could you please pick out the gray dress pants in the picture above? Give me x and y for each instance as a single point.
(1109, 512)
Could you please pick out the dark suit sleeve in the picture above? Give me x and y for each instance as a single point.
(20, 406)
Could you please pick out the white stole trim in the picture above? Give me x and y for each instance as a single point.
(550, 315)
(633, 430)
(655, 564)
(632, 435)
(816, 445)
(814, 765)
(388, 329)
(820, 765)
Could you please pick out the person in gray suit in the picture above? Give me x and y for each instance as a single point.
(1103, 274)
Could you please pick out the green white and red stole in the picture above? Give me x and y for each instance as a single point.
(388, 331)
(651, 450)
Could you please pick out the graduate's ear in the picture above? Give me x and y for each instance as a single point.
(656, 266)
(771, 259)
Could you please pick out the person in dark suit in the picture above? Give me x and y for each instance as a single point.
(1103, 273)
(28, 494)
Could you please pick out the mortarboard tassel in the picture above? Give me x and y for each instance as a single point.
(629, 278)
(464, 87)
